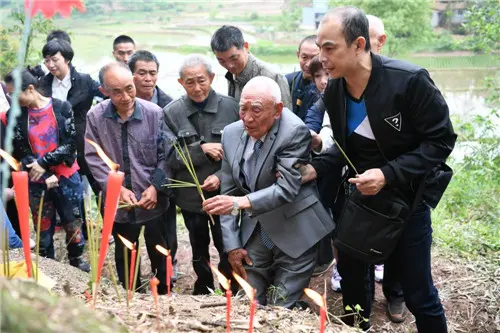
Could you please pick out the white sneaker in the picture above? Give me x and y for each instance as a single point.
(379, 273)
(336, 279)
(32, 244)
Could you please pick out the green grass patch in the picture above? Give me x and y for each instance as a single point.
(467, 219)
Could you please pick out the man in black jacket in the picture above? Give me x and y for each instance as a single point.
(145, 66)
(394, 124)
(197, 119)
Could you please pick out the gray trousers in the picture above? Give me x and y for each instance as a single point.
(278, 278)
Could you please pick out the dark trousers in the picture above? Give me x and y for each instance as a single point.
(199, 227)
(170, 229)
(153, 236)
(67, 200)
(410, 264)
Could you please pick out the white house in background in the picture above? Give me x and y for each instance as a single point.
(458, 7)
(311, 16)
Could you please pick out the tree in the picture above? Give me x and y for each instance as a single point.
(407, 23)
(482, 22)
(10, 36)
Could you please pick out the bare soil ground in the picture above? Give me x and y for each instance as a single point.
(468, 288)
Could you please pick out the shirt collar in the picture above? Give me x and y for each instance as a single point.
(65, 82)
(154, 98)
(112, 113)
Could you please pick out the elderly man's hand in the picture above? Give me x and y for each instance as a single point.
(223, 204)
(149, 198)
(307, 172)
(236, 258)
(369, 182)
(128, 196)
(211, 184)
(214, 150)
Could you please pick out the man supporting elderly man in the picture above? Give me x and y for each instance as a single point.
(260, 180)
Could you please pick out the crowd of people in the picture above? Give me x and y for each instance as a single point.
(269, 155)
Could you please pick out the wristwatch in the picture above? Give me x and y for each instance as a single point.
(236, 209)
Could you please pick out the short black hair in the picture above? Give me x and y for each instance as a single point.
(310, 38)
(27, 79)
(58, 34)
(122, 39)
(142, 55)
(315, 65)
(226, 37)
(354, 24)
(58, 45)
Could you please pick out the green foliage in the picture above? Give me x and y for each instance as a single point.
(467, 218)
(407, 23)
(10, 37)
(290, 17)
(483, 24)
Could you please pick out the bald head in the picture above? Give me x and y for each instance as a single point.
(265, 86)
(377, 33)
(118, 84)
(260, 105)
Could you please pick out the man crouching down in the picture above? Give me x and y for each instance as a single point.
(273, 244)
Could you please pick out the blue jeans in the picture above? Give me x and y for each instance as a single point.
(410, 264)
(14, 240)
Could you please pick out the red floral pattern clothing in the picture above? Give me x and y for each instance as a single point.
(42, 136)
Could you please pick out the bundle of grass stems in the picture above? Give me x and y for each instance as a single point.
(185, 156)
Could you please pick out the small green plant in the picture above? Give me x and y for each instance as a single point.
(356, 312)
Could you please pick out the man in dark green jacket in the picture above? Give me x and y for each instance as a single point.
(197, 119)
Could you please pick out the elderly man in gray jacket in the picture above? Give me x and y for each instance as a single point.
(197, 119)
(274, 242)
(231, 50)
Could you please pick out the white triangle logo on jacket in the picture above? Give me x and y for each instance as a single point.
(394, 121)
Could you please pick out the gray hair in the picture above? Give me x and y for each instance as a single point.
(110, 66)
(266, 84)
(377, 24)
(193, 60)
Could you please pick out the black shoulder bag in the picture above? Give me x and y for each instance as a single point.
(370, 226)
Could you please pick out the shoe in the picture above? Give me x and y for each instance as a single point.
(336, 280)
(80, 264)
(322, 269)
(396, 311)
(111, 239)
(32, 244)
(379, 273)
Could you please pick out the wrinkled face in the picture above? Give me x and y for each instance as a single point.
(234, 60)
(57, 65)
(307, 51)
(196, 81)
(119, 86)
(145, 77)
(376, 41)
(258, 111)
(123, 51)
(337, 57)
(321, 80)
